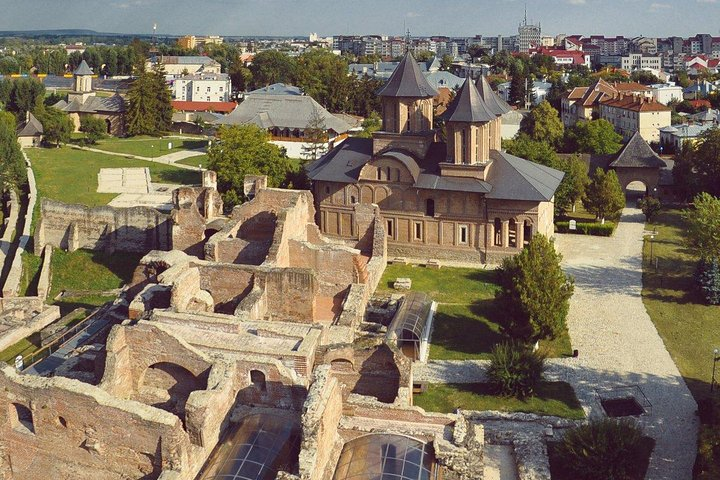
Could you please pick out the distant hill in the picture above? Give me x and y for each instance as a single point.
(66, 33)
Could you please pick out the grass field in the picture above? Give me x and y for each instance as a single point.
(201, 160)
(70, 175)
(467, 324)
(552, 398)
(150, 147)
(689, 328)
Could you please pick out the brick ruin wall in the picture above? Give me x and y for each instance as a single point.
(72, 227)
(79, 431)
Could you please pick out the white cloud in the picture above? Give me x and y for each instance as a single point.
(576, 2)
(659, 6)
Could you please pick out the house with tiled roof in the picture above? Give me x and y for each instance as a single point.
(630, 114)
(30, 132)
(583, 103)
(82, 101)
(461, 199)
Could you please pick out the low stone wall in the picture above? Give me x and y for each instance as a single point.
(44, 282)
(72, 227)
(37, 323)
(9, 233)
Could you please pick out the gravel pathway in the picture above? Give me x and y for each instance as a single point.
(618, 345)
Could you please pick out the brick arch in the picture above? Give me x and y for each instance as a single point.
(350, 192)
(381, 193)
(196, 367)
(366, 194)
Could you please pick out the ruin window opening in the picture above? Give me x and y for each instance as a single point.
(21, 418)
(257, 378)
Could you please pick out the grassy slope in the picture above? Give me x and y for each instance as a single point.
(552, 398)
(466, 325)
(689, 328)
(70, 175)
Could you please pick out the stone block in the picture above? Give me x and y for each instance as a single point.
(402, 284)
(433, 264)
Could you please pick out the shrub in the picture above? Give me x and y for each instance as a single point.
(650, 207)
(594, 228)
(515, 370)
(707, 277)
(707, 463)
(604, 449)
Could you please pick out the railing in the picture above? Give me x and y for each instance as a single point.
(41, 354)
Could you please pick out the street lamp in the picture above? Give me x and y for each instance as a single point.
(652, 237)
(716, 358)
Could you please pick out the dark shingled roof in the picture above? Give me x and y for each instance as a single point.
(637, 154)
(343, 163)
(31, 127)
(83, 69)
(407, 81)
(468, 106)
(513, 178)
(496, 104)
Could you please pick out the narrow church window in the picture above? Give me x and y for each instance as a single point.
(463, 234)
(387, 171)
(512, 233)
(418, 231)
(430, 207)
(352, 199)
(498, 232)
(390, 228)
(379, 173)
(463, 147)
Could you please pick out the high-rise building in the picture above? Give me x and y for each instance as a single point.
(529, 36)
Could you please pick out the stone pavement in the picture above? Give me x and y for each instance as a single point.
(618, 345)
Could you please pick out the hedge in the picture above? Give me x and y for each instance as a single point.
(594, 228)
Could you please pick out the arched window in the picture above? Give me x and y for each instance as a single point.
(512, 233)
(527, 232)
(497, 230)
(257, 378)
(430, 207)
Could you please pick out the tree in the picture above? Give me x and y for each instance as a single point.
(57, 126)
(703, 225)
(94, 128)
(446, 62)
(604, 196)
(644, 77)
(650, 207)
(315, 140)
(245, 150)
(536, 151)
(12, 164)
(25, 95)
(515, 370)
(595, 136)
(543, 124)
(518, 85)
(534, 292)
(272, 66)
(573, 185)
(707, 277)
(370, 125)
(323, 76)
(150, 107)
(697, 166)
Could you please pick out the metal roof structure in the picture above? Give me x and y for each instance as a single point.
(407, 81)
(83, 69)
(496, 104)
(256, 449)
(468, 106)
(386, 457)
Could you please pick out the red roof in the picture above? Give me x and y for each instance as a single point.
(577, 56)
(217, 107)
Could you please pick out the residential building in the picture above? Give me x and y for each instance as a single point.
(631, 113)
(463, 199)
(666, 92)
(202, 87)
(673, 137)
(701, 89)
(639, 61)
(176, 66)
(191, 41)
(286, 117)
(564, 57)
(82, 102)
(583, 103)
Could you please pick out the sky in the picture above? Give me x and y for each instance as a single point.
(654, 18)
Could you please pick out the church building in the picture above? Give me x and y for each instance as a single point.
(461, 199)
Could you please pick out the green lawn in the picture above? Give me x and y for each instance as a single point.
(689, 328)
(466, 325)
(149, 146)
(87, 275)
(70, 175)
(552, 398)
(30, 274)
(200, 160)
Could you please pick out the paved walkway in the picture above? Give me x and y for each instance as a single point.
(617, 342)
(169, 159)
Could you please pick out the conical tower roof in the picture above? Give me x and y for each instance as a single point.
(83, 69)
(492, 99)
(468, 106)
(407, 81)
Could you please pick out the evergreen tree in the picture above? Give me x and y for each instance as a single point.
(518, 85)
(315, 140)
(707, 277)
(12, 164)
(150, 107)
(534, 292)
(650, 207)
(703, 225)
(604, 196)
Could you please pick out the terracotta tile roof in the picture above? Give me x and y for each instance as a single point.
(630, 87)
(577, 93)
(219, 107)
(636, 104)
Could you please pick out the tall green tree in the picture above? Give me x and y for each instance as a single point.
(245, 150)
(518, 85)
(323, 76)
(272, 66)
(534, 293)
(573, 185)
(604, 196)
(594, 136)
(57, 126)
(370, 125)
(524, 146)
(150, 107)
(697, 165)
(543, 124)
(94, 128)
(315, 139)
(703, 225)
(12, 164)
